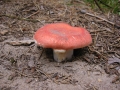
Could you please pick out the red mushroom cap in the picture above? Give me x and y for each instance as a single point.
(62, 36)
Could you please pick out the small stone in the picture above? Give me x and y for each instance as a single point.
(83, 11)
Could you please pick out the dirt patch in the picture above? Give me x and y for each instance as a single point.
(27, 66)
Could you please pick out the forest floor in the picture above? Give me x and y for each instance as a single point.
(24, 66)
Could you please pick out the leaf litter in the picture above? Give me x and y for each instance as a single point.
(23, 18)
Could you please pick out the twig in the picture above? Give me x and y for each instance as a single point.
(92, 31)
(32, 14)
(32, 20)
(22, 74)
(48, 76)
(104, 4)
(21, 43)
(84, 12)
(98, 53)
(112, 23)
(116, 79)
(41, 53)
(98, 5)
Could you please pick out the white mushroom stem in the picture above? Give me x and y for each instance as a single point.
(62, 55)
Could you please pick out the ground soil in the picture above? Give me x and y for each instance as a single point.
(29, 67)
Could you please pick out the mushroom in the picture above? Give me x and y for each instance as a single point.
(62, 38)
